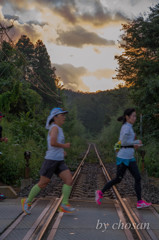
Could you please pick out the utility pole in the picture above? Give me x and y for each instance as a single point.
(4, 36)
(141, 125)
(142, 152)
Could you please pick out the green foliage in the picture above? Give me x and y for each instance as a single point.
(29, 134)
(38, 70)
(108, 137)
(26, 47)
(24, 134)
(26, 111)
(75, 133)
(95, 110)
(5, 101)
(16, 95)
(11, 165)
(152, 158)
(139, 69)
(25, 128)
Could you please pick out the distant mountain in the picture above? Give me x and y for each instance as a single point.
(96, 109)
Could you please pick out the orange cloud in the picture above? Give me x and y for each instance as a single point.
(103, 73)
(19, 29)
(72, 76)
(72, 11)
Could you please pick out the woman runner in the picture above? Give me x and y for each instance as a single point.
(125, 158)
(53, 162)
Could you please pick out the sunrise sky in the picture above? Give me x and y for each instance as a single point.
(81, 36)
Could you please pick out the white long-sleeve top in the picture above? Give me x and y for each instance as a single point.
(127, 137)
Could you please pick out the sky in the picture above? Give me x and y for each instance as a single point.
(81, 36)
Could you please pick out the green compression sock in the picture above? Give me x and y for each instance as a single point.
(34, 191)
(66, 190)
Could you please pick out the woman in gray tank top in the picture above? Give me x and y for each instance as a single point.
(53, 162)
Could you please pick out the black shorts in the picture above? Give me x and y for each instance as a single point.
(49, 167)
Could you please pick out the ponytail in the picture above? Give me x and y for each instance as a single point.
(127, 112)
(122, 119)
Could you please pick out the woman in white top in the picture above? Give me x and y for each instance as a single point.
(53, 162)
(125, 158)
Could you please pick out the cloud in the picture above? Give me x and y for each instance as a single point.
(75, 77)
(39, 20)
(78, 36)
(31, 22)
(35, 22)
(73, 11)
(103, 73)
(66, 9)
(71, 76)
(19, 29)
(11, 17)
(97, 50)
(101, 15)
(19, 5)
(134, 2)
(92, 12)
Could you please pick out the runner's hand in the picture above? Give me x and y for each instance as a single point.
(5, 139)
(136, 146)
(67, 145)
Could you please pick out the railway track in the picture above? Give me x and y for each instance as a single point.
(85, 181)
(134, 221)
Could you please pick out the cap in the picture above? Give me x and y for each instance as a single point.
(53, 113)
(1, 115)
(56, 111)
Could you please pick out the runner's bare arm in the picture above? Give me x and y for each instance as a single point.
(54, 143)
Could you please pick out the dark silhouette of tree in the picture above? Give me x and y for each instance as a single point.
(139, 66)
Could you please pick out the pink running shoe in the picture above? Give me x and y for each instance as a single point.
(99, 196)
(143, 204)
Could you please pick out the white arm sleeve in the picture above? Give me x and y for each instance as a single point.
(125, 141)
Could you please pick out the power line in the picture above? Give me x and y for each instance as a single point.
(35, 74)
(30, 81)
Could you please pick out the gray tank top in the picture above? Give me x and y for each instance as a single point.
(55, 153)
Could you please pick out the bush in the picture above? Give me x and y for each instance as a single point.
(29, 134)
(152, 158)
(107, 138)
(24, 135)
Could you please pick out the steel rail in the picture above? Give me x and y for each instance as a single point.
(52, 210)
(119, 197)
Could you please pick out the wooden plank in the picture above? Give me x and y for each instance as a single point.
(148, 233)
(55, 226)
(122, 218)
(37, 222)
(46, 224)
(16, 222)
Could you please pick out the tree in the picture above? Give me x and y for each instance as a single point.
(139, 66)
(26, 50)
(26, 47)
(16, 96)
(45, 72)
(38, 70)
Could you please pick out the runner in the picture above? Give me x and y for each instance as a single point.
(53, 162)
(125, 158)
